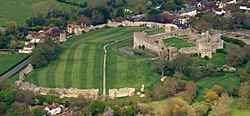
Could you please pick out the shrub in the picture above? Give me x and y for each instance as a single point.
(97, 107)
(232, 40)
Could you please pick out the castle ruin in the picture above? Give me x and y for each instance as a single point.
(205, 43)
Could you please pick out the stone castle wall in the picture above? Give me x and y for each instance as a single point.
(60, 92)
(122, 92)
(206, 43)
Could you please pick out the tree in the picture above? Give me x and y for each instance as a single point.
(171, 6)
(18, 109)
(191, 91)
(3, 107)
(97, 17)
(211, 96)
(97, 107)
(201, 109)
(11, 28)
(157, 93)
(234, 56)
(37, 111)
(222, 106)
(218, 89)
(149, 4)
(130, 111)
(119, 12)
(7, 97)
(44, 53)
(26, 97)
(179, 107)
(243, 93)
(182, 62)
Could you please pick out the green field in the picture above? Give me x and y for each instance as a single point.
(154, 31)
(128, 71)
(218, 60)
(178, 42)
(80, 63)
(236, 112)
(229, 81)
(9, 60)
(20, 10)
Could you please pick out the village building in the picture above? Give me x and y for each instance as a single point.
(27, 49)
(189, 11)
(245, 6)
(219, 11)
(54, 109)
(2, 29)
(232, 2)
(74, 29)
(62, 37)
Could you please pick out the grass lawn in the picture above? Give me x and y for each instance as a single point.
(20, 10)
(154, 31)
(228, 82)
(80, 63)
(157, 107)
(128, 71)
(7, 61)
(178, 42)
(217, 60)
(236, 112)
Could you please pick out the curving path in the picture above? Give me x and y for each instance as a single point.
(105, 60)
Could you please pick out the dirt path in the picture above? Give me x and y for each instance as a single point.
(105, 62)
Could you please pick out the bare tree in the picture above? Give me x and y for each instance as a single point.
(182, 61)
(222, 106)
(243, 93)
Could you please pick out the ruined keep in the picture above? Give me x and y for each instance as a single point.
(205, 43)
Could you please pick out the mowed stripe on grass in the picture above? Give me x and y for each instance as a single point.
(59, 76)
(90, 69)
(80, 63)
(77, 65)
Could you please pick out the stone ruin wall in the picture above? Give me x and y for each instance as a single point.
(61, 92)
(140, 38)
(136, 24)
(122, 92)
(206, 44)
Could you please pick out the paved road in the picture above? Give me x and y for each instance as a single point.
(14, 70)
(104, 63)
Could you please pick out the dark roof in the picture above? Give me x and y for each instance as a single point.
(245, 4)
(211, 5)
(191, 8)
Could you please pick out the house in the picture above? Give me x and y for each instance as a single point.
(34, 40)
(54, 109)
(232, 2)
(74, 29)
(2, 29)
(139, 17)
(52, 32)
(181, 20)
(27, 49)
(245, 6)
(189, 11)
(219, 11)
(210, 6)
(62, 37)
